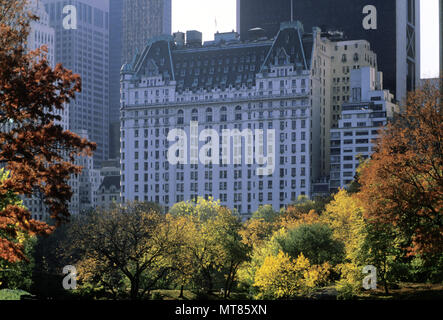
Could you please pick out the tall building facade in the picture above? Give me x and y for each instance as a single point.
(133, 23)
(368, 110)
(85, 50)
(42, 34)
(115, 63)
(333, 62)
(391, 27)
(250, 101)
(142, 20)
(294, 83)
(441, 39)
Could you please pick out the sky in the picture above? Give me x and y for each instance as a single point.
(429, 38)
(209, 16)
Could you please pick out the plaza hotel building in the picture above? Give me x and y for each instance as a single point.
(290, 83)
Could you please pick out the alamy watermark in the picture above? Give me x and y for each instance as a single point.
(70, 20)
(254, 147)
(370, 20)
(370, 281)
(70, 280)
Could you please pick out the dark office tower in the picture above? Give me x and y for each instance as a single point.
(441, 38)
(142, 20)
(115, 63)
(84, 48)
(393, 32)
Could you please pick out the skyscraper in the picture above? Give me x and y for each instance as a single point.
(133, 23)
(441, 38)
(41, 34)
(115, 63)
(85, 50)
(142, 20)
(391, 27)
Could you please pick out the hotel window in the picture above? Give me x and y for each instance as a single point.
(238, 114)
(194, 116)
(181, 117)
(208, 115)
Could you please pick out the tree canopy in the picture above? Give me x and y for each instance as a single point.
(402, 184)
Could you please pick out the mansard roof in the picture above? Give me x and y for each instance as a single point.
(222, 64)
(109, 181)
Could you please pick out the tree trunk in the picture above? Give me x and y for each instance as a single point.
(181, 292)
(209, 281)
(227, 283)
(134, 288)
(385, 282)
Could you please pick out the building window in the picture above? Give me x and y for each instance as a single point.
(180, 117)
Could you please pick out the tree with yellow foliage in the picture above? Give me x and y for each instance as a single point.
(345, 217)
(281, 277)
(260, 250)
(256, 231)
(213, 247)
(366, 243)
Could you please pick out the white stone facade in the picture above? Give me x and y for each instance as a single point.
(278, 99)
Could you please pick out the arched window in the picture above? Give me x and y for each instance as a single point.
(223, 114)
(194, 116)
(209, 115)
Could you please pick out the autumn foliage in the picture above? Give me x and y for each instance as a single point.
(402, 185)
(37, 154)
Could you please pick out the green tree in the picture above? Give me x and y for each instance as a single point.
(266, 213)
(383, 248)
(15, 275)
(232, 252)
(316, 243)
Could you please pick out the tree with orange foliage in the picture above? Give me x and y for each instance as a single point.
(294, 217)
(37, 154)
(402, 184)
(257, 231)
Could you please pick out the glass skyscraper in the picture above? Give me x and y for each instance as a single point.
(85, 50)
